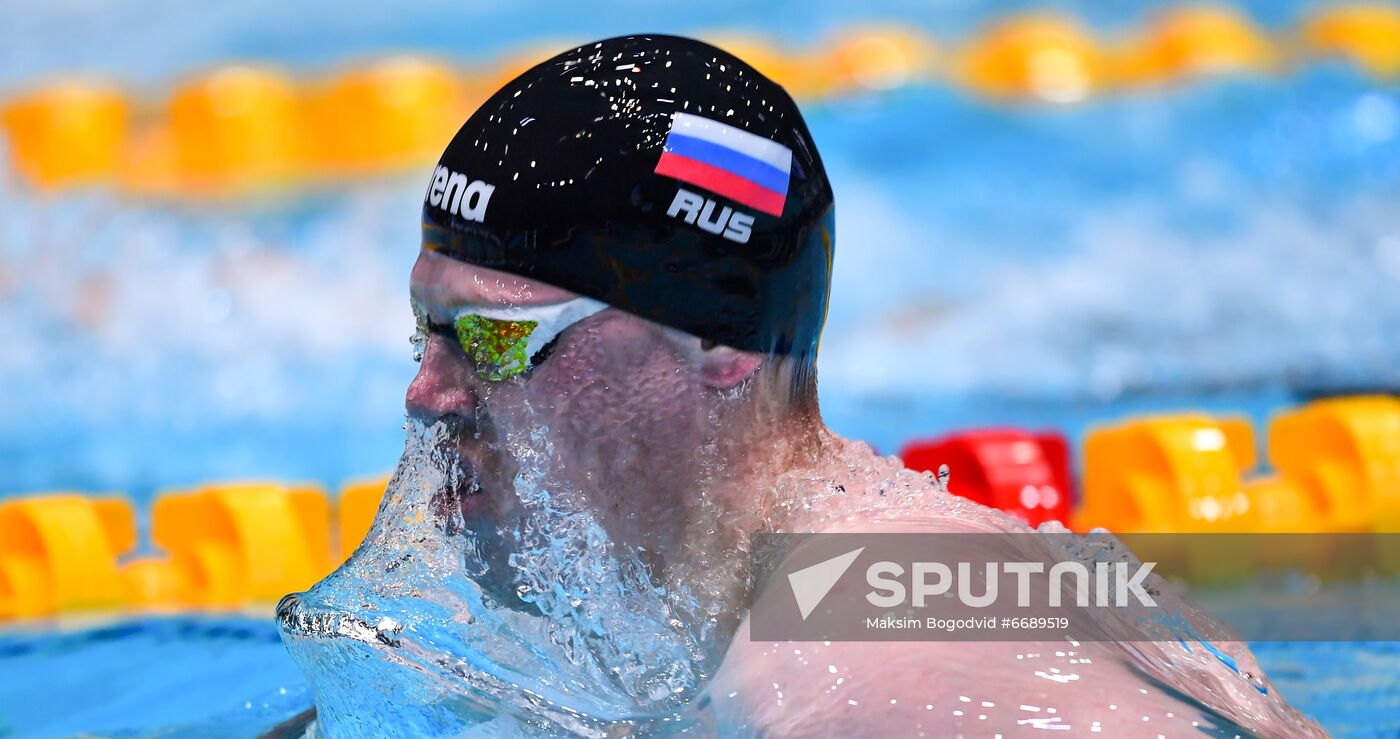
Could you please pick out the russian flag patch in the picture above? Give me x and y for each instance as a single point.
(725, 160)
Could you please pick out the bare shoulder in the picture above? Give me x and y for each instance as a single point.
(791, 689)
(939, 688)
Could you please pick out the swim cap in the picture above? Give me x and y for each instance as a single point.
(658, 174)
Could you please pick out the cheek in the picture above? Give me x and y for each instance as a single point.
(619, 381)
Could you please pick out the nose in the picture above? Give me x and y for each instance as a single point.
(443, 385)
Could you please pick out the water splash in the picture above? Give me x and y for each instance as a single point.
(549, 626)
(543, 626)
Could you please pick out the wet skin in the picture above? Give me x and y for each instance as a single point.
(618, 394)
(628, 403)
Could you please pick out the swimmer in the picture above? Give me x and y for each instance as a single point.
(622, 284)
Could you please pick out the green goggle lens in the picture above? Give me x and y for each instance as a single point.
(502, 346)
(495, 346)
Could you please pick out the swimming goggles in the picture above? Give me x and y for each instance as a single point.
(502, 343)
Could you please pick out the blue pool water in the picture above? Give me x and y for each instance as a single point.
(1231, 246)
(186, 676)
(230, 676)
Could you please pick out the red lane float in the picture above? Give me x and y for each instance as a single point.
(1024, 474)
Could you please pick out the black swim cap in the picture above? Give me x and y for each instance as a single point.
(658, 174)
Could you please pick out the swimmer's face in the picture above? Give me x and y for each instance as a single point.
(619, 398)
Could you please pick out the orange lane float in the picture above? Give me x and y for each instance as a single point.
(236, 544)
(1191, 41)
(58, 554)
(313, 511)
(1345, 454)
(1167, 474)
(1368, 34)
(1037, 57)
(67, 134)
(1171, 475)
(385, 116)
(235, 129)
(359, 502)
(1187, 473)
(243, 128)
(156, 584)
(879, 58)
(802, 73)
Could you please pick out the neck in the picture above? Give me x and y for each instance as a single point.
(751, 495)
(742, 488)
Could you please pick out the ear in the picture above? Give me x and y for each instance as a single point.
(722, 368)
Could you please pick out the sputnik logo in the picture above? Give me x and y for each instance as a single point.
(811, 584)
